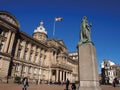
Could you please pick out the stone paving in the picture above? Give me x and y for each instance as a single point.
(46, 87)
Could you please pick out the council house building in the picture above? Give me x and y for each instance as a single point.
(36, 57)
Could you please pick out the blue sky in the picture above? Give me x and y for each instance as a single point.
(103, 14)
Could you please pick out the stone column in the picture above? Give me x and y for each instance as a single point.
(23, 50)
(42, 57)
(16, 51)
(29, 51)
(88, 73)
(57, 75)
(69, 76)
(50, 63)
(7, 42)
(34, 52)
(11, 43)
(66, 75)
(38, 57)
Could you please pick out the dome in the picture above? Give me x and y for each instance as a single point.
(40, 29)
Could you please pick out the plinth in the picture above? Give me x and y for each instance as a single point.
(88, 71)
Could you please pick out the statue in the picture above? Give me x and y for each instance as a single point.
(85, 31)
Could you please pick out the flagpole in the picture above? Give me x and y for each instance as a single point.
(54, 29)
(55, 20)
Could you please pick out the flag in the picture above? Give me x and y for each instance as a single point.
(58, 19)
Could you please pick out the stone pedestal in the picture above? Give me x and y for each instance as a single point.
(88, 71)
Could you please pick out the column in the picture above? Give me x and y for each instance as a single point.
(70, 76)
(7, 42)
(39, 63)
(50, 52)
(29, 51)
(57, 75)
(38, 57)
(16, 51)
(34, 52)
(60, 75)
(39, 76)
(23, 49)
(42, 58)
(11, 43)
(67, 75)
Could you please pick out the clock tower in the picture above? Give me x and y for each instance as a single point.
(40, 33)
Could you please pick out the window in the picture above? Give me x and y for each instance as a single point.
(40, 60)
(1, 45)
(20, 41)
(25, 55)
(30, 70)
(19, 52)
(35, 71)
(30, 59)
(26, 46)
(23, 69)
(44, 60)
(35, 58)
(17, 67)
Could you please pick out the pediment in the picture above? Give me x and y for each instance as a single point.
(9, 18)
(61, 42)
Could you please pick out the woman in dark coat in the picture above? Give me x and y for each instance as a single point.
(67, 84)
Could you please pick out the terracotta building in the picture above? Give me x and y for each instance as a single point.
(37, 57)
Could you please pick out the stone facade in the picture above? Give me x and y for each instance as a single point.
(36, 57)
(109, 71)
(74, 57)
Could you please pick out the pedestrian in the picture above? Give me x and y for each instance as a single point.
(67, 84)
(114, 83)
(73, 86)
(25, 83)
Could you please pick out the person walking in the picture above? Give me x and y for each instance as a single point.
(67, 84)
(73, 86)
(113, 83)
(25, 84)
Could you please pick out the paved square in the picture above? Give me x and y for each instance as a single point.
(46, 87)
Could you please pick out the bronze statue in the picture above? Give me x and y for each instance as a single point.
(85, 31)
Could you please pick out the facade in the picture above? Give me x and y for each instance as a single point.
(109, 71)
(36, 57)
(74, 57)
